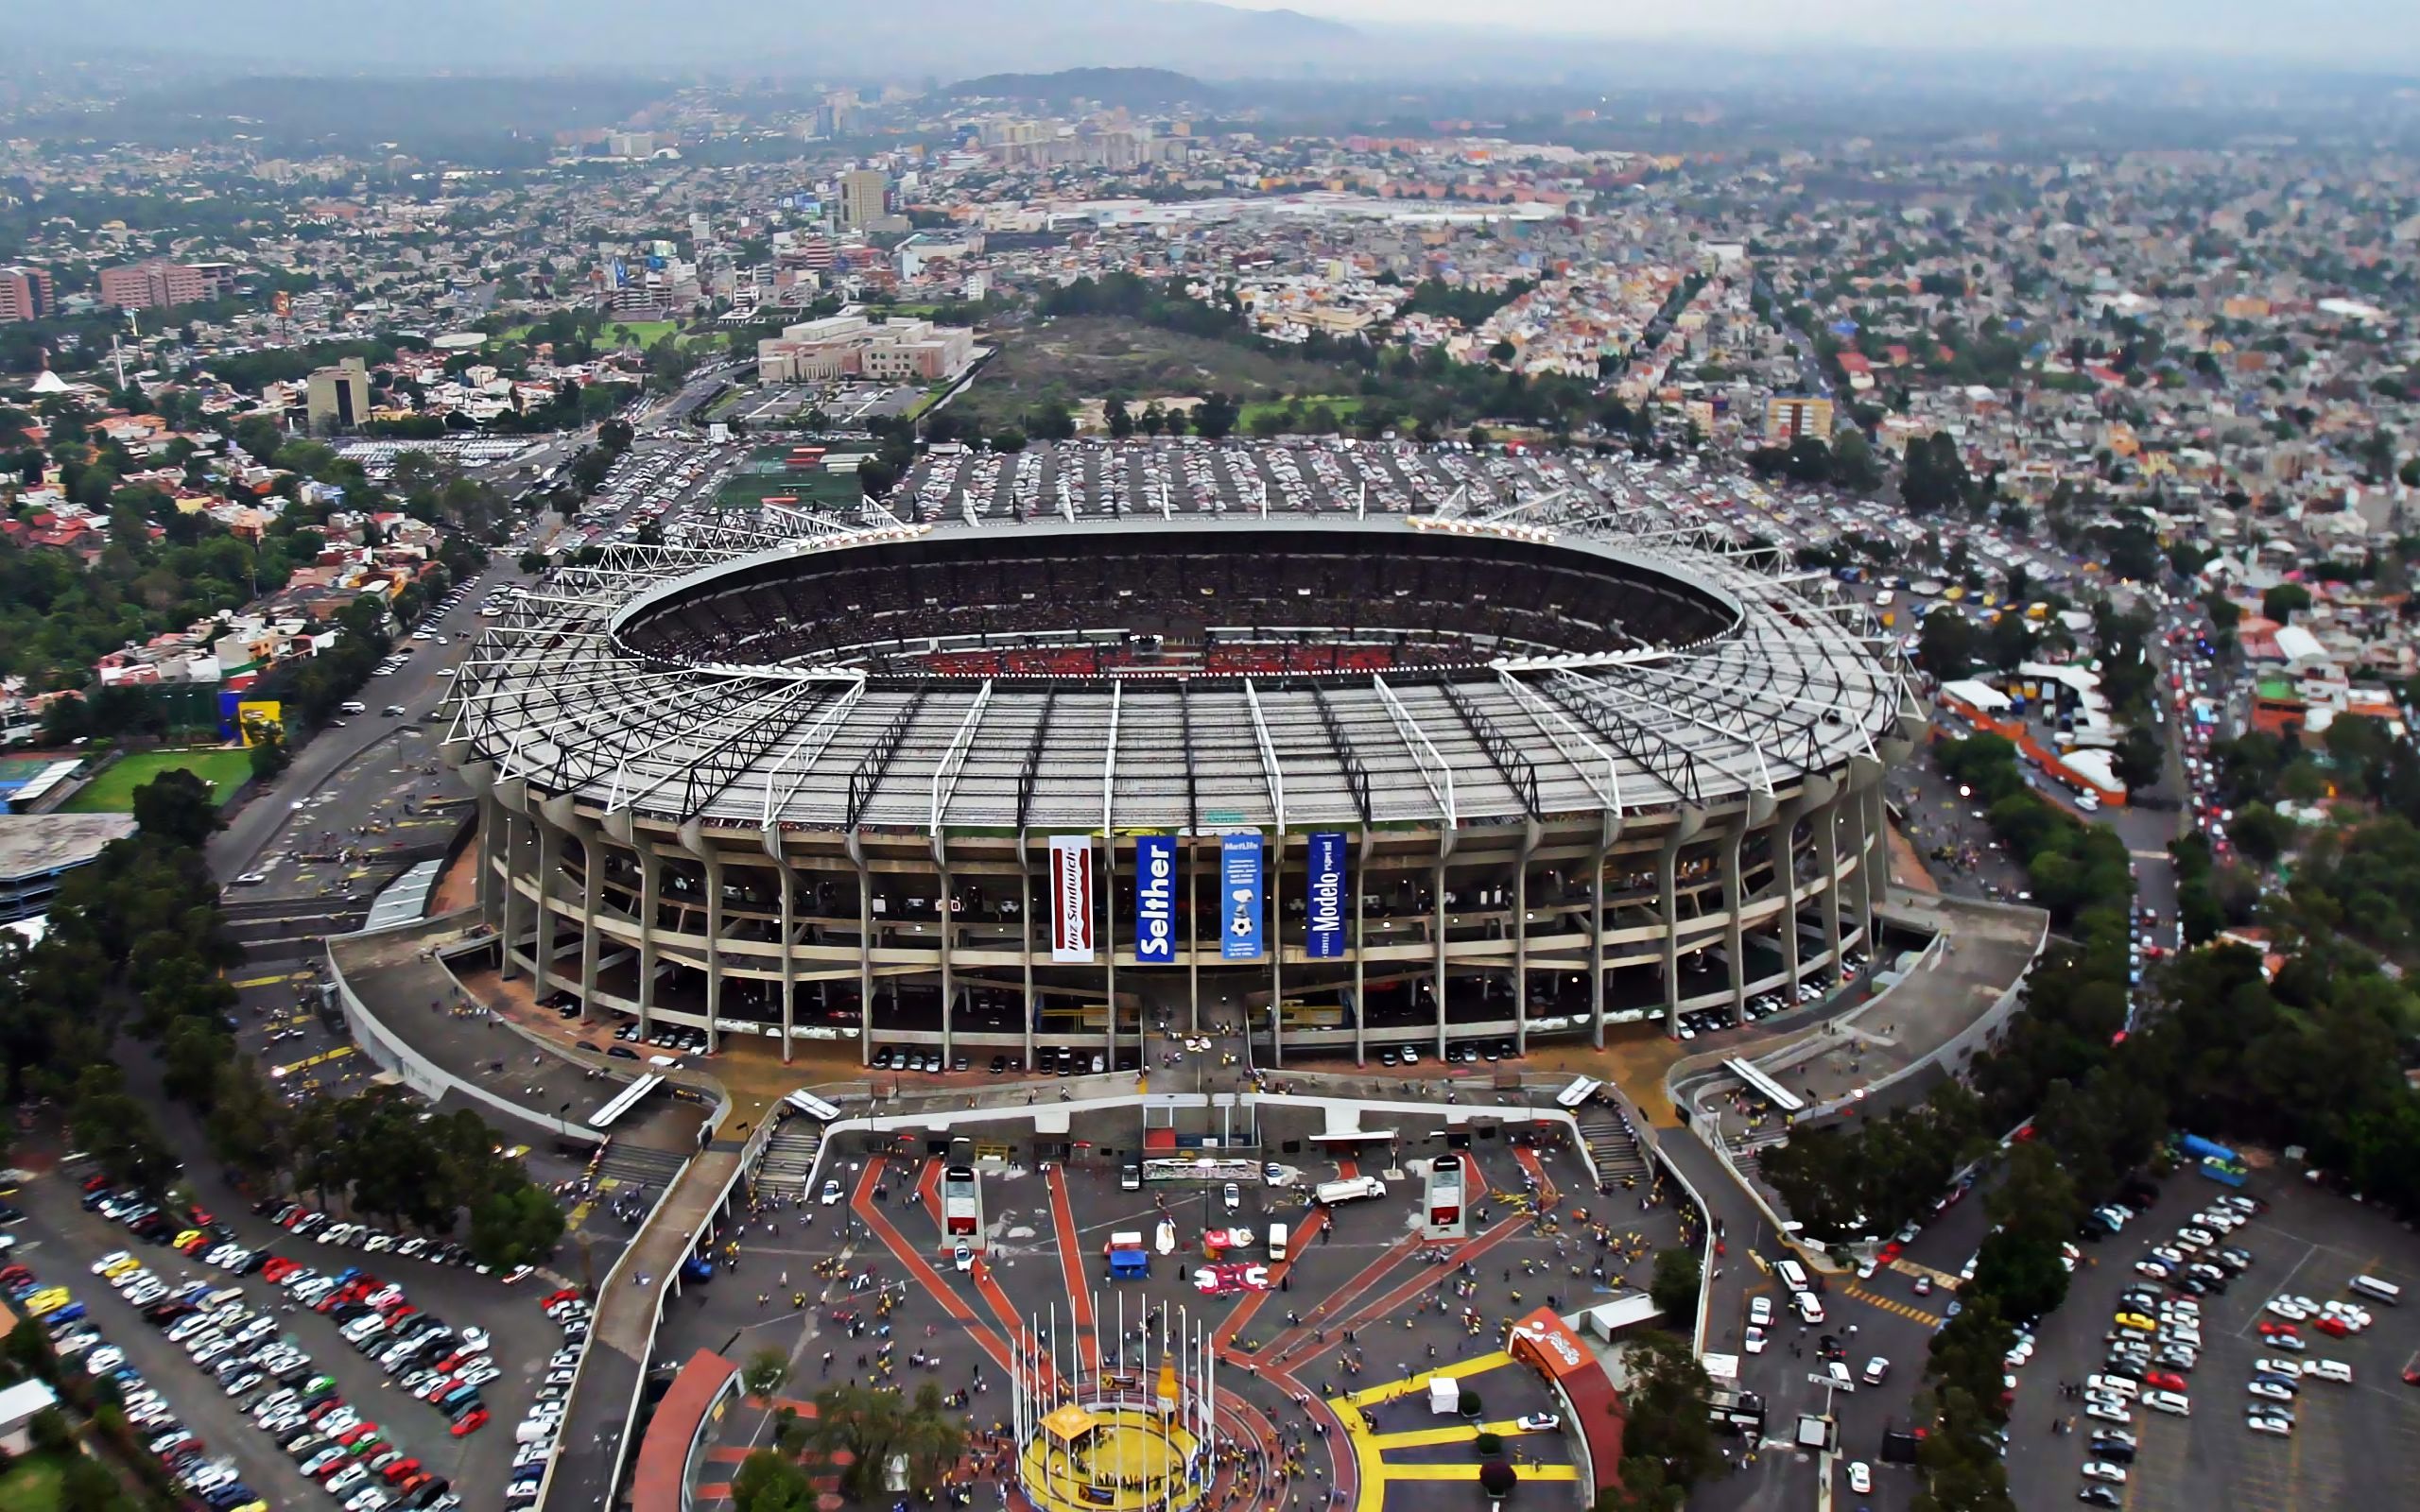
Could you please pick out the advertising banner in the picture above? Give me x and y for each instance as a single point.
(1071, 898)
(1155, 900)
(1239, 896)
(1325, 936)
(1228, 1280)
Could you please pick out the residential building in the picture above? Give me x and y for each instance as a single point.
(157, 282)
(865, 197)
(27, 294)
(1788, 417)
(338, 398)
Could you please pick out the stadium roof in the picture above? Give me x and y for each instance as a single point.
(1800, 683)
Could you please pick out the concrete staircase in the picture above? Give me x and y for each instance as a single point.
(790, 1158)
(1616, 1152)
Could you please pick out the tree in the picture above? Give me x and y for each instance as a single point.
(769, 1482)
(1010, 439)
(2281, 601)
(268, 754)
(1678, 1274)
(1945, 647)
(764, 1373)
(176, 807)
(1215, 418)
(872, 1424)
(1664, 1409)
(1121, 422)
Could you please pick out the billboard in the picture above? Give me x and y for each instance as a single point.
(1155, 900)
(1323, 937)
(1071, 897)
(254, 718)
(1240, 904)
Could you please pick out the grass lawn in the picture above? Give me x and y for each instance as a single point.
(1345, 406)
(30, 1486)
(648, 332)
(113, 792)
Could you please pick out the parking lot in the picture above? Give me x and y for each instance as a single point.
(2351, 1444)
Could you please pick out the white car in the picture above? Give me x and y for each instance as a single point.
(2101, 1469)
(2270, 1390)
(1760, 1311)
(2325, 1370)
(2101, 1411)
(2278, 1367)
(1232, 1196)
(2286, 1308)
(476, 1340)
(2167, 1401)
(1861, 1478)
(962, 1257)
(2262, 1424)
(1754, 1342)
(831, 1194)
(1538, 1422)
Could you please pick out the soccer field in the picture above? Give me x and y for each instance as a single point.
(113, 792)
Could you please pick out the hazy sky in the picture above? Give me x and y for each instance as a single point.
(2360, 33)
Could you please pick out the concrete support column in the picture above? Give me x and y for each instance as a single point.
(551, 856)
(1734, 900)
(1829, 828)
(517, 850)
(1785, 881)
(566, 818)
(1521, 939)
(865, 951)
(1355, 885)
(494, 857)
(693, 838)
(1437, 936)
(941, 872)
(1608, 827)
(1685, 824)
(1272, 864)
(651, 908)
(787, 880)
(1025, 939)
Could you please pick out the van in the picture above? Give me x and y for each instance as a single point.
(1810, 1310)
(2370, 1286)
(1278, 1234)
(2113, 1385)
(1792, 1274)
(1129, 1177)
(354, 705)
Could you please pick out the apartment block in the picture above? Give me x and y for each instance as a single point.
(25, 294)
(1789, 417)
(156, 282)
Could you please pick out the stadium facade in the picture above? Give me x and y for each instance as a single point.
(985, 778)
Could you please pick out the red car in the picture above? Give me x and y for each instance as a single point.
(356, 1434)
(567, 1294)
(437, 1388)
(471, 1422)
(395, 1473)
(2331, 1325)
(2165, 1381)
(94, 1184)
(2271, 1329)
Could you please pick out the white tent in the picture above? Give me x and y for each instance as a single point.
(1445, 1395)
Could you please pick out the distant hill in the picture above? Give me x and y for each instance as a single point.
(1135, 88)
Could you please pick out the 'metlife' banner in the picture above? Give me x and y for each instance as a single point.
(1239, 896)
(1071, 897)
(1324, 937)
(1155, 900)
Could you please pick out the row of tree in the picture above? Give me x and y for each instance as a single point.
(137, 948)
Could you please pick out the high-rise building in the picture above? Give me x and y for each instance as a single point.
(338, 398)
(156, 282)
(25, 294)
(865, 197)
(1788, 417)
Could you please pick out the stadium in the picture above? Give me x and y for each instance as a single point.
(1365, 747)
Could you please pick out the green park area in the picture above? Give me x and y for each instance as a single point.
(31, 1485)
(113, 792)
(1343, 407)
(647, 333)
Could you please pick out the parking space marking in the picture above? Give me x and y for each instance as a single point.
(1888, 1304)
(1940, 1277)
